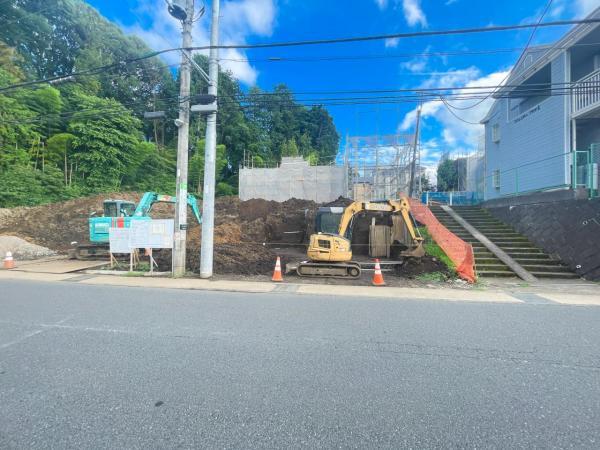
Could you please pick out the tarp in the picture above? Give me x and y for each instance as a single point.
(459, 251)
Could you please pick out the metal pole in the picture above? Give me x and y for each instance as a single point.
(210, 154)
(183, 123)
(411, 187)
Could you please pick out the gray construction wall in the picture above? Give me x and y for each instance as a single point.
(294, 178)
(566, 229)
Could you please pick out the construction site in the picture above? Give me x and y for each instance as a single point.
(249, 235)
(339, 223)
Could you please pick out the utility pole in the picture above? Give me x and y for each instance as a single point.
(210, 153)
(411, 187)
(183, 124)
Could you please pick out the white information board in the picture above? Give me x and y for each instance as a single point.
(151, 233)
(118, 239)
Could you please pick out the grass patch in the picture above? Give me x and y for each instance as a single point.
(432, 249)
(432, 276)
(133, 274)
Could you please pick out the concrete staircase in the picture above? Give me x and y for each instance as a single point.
(514, 244)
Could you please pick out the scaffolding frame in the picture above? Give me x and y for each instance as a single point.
(380, 165)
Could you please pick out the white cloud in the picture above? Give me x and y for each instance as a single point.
(248, 17)
(455, 134)
(239, 20)
(418, 64)
(415, 65)
(392, 42)
(413, 13)
(450, 2)
(584, 7)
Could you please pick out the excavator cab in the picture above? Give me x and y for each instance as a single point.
(118, 208)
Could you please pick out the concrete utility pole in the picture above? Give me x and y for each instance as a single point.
(183, 124)
(210, 154)
(411, 188)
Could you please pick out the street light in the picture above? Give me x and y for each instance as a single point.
(177, 8)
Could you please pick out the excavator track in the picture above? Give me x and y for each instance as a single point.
(89, 252)
(350, 270)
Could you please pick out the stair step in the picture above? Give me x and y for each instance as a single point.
(546, 268)
(510, 241)
(483, 254)
(493, 268)
(479, 261)
(496, 274)
(561, 275)
(534, 259)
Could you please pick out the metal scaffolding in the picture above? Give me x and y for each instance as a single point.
(379, 166)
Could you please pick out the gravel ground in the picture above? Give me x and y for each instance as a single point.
(23, 250)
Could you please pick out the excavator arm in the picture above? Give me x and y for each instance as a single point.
(194, 205)
(394, 206)
(150, 198)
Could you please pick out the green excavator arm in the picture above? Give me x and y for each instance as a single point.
(150, 198)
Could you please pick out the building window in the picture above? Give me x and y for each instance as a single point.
(496, 179)
(496, 132)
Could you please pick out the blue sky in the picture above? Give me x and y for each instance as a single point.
(254, 21)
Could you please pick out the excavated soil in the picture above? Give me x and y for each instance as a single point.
(56, 225)
(249, 235)
(246, 234)
(244, 231)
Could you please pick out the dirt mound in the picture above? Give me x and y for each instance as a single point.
(424, 265)
(242, 229)
(56, 225)
(245, 233)
(248, 235)
(21, 249)
(232, 253)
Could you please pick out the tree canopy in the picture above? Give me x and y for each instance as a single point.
(87, 133)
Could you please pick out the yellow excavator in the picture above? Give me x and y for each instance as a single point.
(330, 254)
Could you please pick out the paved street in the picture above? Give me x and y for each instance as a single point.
(85, 366)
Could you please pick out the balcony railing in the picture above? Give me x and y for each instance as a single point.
(586, 93)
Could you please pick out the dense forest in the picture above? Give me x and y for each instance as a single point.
(87, 133)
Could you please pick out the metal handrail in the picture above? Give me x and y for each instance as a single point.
(586, 92)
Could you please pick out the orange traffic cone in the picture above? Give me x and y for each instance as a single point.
(277, 273)
(378, 276)
(9, 262)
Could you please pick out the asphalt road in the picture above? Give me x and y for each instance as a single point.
(108, 367)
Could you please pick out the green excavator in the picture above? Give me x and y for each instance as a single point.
(119, 214)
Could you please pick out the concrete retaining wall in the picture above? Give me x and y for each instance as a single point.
(566, 229)
(294, 178)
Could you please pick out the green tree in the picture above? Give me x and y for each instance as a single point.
(426, 183)
(105, 142)
(196, 167)
(60, 151)
(447, 175)
(289, 148)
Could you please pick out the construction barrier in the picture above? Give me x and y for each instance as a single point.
(459, 251)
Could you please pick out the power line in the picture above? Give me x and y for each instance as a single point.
(90, 71)
(448, 105)
(246, 104)
(417, 34)
(319, 42)
(276, 59)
